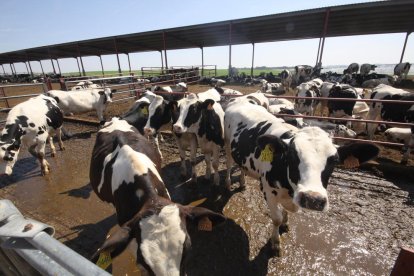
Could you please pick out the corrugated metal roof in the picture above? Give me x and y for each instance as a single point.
(345, 20)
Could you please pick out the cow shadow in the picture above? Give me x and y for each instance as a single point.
(25, 168)
(400, 175)
(82, 192)
(225, 250)
(90, 236)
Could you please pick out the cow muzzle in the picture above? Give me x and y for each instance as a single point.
(312, 201)
(178, 129)
(148, 131)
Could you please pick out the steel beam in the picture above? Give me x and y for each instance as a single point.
(117, 57)
(319, 48)
(129, 63)
(165, 51)
(77, 61)
(30, 68)
(103, 72)
(162, 63)
(230, 49)
(251, 71)
(202, 61)
(405, 44)
(325, 28)
(27, 68)
(41, 67)
(57, 61)
(4, 72)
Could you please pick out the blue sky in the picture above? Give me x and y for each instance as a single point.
(26, 24)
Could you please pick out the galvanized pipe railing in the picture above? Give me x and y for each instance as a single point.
(33, 241)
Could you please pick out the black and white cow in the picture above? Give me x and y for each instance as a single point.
(395, 112)
(274, 88)
(137, 115)
(181, 87)
(401, 70)
(366, 68)
(199, 114)
(257, 98)
(83, 100)
(286, 78)
(311, 90)
(293, 165)
(124, 171)
(341, 109)
(302, 73)
(31, 124)
(352, 68)
(82, 85)
(162, 115)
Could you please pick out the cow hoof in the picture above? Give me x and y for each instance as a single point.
(53, 154)
(62, 148)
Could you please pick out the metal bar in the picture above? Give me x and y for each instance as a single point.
(325, 28)
(18, 97)
(80, 57)
(30, 68)
(27, 68)
(41, 67)
(319, 48)
(4, 72)
(230, 49)
(373, 141)
(405, 44)
(117, 56)
(14, 68)
(202, 61)
(341, 99)
(103, 72)
(165, 50)
(251, 70)
(57, 61)
(162, 63)
(129, 63)
(53, 66)
(347, 119)
(77, 61)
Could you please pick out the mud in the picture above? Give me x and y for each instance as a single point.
(371, 213)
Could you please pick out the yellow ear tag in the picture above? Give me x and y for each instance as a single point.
(145, 110)
(267, 154)
(104, 259)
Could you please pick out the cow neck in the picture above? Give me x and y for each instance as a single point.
(210, 126)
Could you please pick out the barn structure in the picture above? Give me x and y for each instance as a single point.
(345, 20)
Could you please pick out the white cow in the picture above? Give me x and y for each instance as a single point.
(401, 70)
(83, 100)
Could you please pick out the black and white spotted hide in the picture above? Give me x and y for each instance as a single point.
(30, 123)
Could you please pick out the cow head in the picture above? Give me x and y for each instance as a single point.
(106, 95)
(306, 90)
(160, 112)
(163, 241)
(190, 113)
(304, 163)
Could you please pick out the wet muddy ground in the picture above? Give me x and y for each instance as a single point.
(371, 214)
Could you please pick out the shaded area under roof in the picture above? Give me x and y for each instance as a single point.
(345, 20)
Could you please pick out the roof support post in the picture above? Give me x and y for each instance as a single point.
(162, 63)
(230, 49)
(14, 68)
(325, 28)
(202, 61)
(103, 72)
(405, 44)
(53, 66)
(4, 72)
(129, 63)
(319, 48)
(27, 68)
(83, 68)
(251, 70)
(117, 57)
(41, 67)
(77, 61)
(165, 51)
(30, 68)
(11, 68)
(57, 61)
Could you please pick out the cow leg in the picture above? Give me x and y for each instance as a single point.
(407, 149)
(161, 138)
(157, 145)
(193, 153)
(373, 115)
(52, 146)
(38, 151)
(216, 165)
(229, 165)
(242, 178)
(207, 158)
(59, 136)
(181, 150)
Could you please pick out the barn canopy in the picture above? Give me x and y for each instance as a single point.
(346, 20)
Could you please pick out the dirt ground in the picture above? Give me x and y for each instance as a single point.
(370, 218)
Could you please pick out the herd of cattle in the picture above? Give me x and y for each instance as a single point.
(292, 158)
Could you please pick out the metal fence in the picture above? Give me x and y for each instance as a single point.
(33, 241)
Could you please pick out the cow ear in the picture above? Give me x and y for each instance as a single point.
(352, 155)
(201, 215)
(270, 143)
(114, 244)
(208, 104)
(101, 92)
